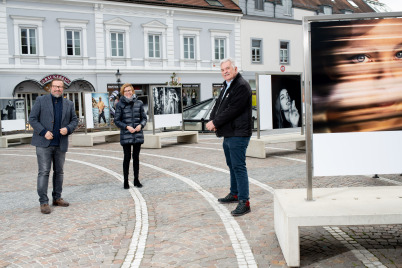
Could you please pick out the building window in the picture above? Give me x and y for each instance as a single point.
(215, 3)
(219, 48)
(189, 48)
(256, 51)
(28, 41)
(73, 41)
(353, 4)
(220, 44)
(287, 6)
(327, 10)
(259, 4)
(284, 52)
(154, 50)
(117, 44)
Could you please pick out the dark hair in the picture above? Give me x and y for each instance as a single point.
(278, 111)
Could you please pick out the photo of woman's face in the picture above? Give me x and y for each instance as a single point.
(365, 69)
(285, 100)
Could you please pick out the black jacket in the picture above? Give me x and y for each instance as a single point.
(130, 113)
(232, 115)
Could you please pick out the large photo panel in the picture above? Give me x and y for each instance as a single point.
(167, 106)
(279, 101)
(97, 110)
(356, 96)
(286, 101)
(12, 114)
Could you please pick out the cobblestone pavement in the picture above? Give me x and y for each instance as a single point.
(174, 220)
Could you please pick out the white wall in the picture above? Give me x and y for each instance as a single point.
(271, 33)
(298, 14)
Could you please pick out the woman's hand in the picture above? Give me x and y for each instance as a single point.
(131, 129)
(294, 115)
(138, 128)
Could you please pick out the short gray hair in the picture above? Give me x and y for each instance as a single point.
(232, 62)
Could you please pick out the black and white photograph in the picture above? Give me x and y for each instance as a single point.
(172, 100)
(286, 101)
(12, 109)
(167, 106)
(8, 111)
(158, 98)
(12, 114)
(144, 99)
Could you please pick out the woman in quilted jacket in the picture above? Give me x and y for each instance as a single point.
(130, 117)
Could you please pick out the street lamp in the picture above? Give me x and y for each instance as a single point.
(118, 75)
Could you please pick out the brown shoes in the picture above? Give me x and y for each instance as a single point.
(45, 209)
(60, 202)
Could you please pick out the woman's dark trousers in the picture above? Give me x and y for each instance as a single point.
(136, 162)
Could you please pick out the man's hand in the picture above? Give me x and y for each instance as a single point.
(63, 131)
(294, 115)
(210, 126)
(49, 135)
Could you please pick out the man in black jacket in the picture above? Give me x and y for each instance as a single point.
(231, 118)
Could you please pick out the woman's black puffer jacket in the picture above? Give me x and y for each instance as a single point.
(130, 113)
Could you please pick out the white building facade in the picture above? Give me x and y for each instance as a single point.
(86, 42)
(272, 32)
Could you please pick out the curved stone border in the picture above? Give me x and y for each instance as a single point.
(239, 242)
(136, 249)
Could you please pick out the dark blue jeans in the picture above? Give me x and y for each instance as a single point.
(47, 156)
(235, 153)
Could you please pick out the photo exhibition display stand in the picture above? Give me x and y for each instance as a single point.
(270, 86)
(339, 153)
(166, 110)
(13, 120)
(87, 139)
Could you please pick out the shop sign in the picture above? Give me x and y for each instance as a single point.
(55, 76)
(217, 85)
(191, 85)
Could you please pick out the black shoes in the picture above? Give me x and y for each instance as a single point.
(229, 199)
(125, 184)
(242, 208)
(137, 183)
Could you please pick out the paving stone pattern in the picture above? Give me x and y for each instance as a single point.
(183, 228)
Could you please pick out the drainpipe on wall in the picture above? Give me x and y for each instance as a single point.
(246, 6)
(274, 8)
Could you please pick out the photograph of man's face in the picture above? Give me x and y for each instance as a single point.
(357, 75)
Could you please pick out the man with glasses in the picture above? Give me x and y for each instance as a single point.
(53, 118)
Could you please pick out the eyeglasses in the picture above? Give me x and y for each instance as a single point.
(58, 87)
(128, 90)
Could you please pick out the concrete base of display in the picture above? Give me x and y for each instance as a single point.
(332, 207)
(256, 147)
(154, 141)
(21, 138)
(88, 139)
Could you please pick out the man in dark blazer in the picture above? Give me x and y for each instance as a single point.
(53, 118)
(231, 118)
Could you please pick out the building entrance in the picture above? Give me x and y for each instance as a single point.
(29, 90)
